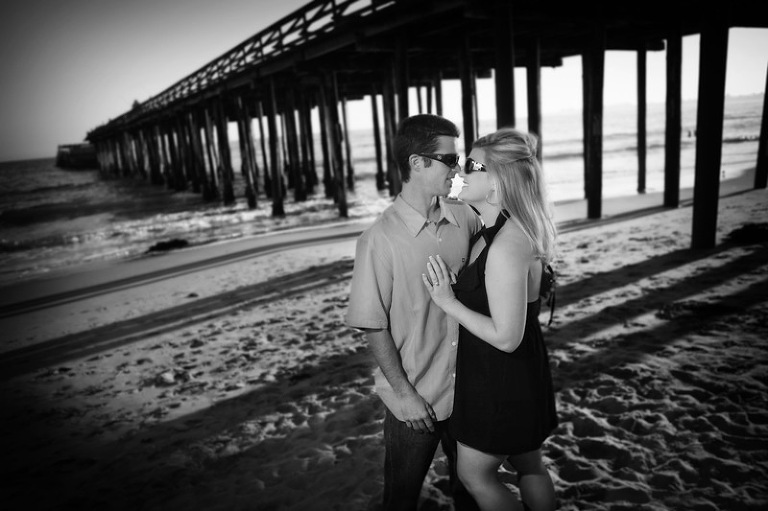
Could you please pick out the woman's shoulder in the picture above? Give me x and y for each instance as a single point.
(511, 237)
(510, 245)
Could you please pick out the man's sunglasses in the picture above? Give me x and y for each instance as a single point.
(471, 166)
(450, 159)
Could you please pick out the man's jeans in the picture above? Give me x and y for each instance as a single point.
(408, 455)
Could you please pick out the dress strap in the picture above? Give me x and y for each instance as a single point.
(547, 288)
(490, 232)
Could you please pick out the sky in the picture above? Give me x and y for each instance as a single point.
(67, 67)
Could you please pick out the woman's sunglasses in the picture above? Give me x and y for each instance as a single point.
(471, 166)
(450, 159)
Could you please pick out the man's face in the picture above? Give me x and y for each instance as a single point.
(438, 176)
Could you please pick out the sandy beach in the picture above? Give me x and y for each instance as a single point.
(237, 386)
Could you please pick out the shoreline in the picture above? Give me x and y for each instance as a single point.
(567, 213)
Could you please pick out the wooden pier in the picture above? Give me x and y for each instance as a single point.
(332, 51)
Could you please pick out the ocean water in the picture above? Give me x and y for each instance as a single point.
(52, 218)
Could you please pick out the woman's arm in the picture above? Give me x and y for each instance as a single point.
(506, 281)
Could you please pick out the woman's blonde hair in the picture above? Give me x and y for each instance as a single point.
(510, 157)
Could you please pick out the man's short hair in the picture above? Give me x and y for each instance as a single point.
(419, 134)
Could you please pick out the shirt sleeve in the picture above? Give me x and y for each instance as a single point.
(370, 295)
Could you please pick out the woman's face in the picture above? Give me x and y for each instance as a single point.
(477, 184)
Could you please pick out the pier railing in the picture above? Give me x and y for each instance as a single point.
(299, 28)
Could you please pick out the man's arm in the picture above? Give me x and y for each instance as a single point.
(415, 410)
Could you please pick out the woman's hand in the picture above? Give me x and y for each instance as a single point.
(439, 282)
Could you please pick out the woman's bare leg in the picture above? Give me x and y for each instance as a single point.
(536, 488)
(478, 472)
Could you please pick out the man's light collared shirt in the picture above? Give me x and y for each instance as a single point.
(387, 293)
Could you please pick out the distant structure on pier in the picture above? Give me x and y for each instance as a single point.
(77, 156)
(331, 51)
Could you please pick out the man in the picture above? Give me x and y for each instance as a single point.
(413, 340)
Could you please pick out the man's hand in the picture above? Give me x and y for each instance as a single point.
(417, 413)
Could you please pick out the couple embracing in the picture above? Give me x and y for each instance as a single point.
(448, 296)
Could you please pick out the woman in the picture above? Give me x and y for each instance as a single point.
(504, 405)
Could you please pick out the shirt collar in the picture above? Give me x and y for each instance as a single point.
(447, 213)
(414, 221)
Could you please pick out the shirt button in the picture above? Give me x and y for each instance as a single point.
(439, 239)
(454, 375)
(453, 343)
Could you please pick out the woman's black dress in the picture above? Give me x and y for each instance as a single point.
(504, 402)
